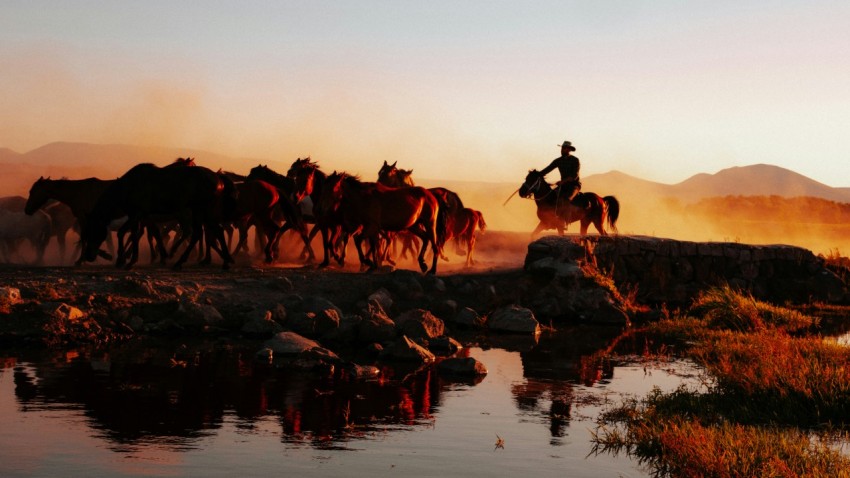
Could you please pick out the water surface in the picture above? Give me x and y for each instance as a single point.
(208, 410)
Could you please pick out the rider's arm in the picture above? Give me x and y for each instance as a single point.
(550, 168)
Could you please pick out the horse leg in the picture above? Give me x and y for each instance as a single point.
(193, 241)
(217, 241)
(470, 247)
(135, 237)
(542, 227)
(364, 260)
(327, 243)
(272, 233)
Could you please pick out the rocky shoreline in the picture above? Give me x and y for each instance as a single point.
(321, 320)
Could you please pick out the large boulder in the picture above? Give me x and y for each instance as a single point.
(420, 323)
(513, 319)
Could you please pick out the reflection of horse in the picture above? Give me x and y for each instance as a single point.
(374, 208)
(195, 196)
(599, 209)
(461, 222)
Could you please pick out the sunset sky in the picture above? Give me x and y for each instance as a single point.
(478, 90)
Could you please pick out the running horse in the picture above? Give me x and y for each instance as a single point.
(80, 195)
(373, 209)
(291, 193)
(462, 223)
(587, 207)
(309, 184)
(195, 196)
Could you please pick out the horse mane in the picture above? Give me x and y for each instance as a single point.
(187, 161)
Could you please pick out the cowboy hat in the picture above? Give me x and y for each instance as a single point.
(567, 145)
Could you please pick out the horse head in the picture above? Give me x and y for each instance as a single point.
(304, 182)
(38, 195)
(390, 175)
(533, 183)
(331, 195)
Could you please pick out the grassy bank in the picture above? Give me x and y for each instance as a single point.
(778, 394)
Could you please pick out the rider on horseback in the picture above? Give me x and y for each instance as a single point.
(569, 185)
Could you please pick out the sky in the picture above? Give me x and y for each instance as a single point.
(472, 90)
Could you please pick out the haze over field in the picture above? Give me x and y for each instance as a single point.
(648, 207)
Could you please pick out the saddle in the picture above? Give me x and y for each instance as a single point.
(581, 200)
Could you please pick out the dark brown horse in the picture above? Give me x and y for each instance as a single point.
(256, 205)
(196, 197)
(310, 179)
(373, 208)
(80, 195)
(291, 194)
(587, 207)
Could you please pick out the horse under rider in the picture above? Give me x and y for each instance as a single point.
(569, 185)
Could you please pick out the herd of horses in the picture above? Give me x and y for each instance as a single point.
(205, 208)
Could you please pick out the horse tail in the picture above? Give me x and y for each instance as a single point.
(442, 228)
(613, 211)
(481, 224)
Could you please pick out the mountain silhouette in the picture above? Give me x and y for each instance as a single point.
(79, 160)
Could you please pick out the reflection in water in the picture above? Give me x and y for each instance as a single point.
(137, 395)
(181, 404)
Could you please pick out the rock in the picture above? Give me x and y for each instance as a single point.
(282, 284)
(468, 318)
(10, 296)
(462, 366)
(445, 308)
(362, 372)
(383, 297)
(513, 319)
(261, 326)
(290, 344)
(346, 332)
(62, 311)
(444, 346)
(420, 323)
(314, 324)
(318, 305)
(406, 350)
(193, 314)
(376, 327)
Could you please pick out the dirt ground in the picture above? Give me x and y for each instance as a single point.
(248, 289)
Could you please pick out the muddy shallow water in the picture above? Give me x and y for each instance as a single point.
(207, 409)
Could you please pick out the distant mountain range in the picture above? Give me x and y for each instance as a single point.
(80, 160)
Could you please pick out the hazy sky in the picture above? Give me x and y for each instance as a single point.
(465, 90)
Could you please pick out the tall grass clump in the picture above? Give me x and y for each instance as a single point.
(773, 396)
(728, 309)
(682, 446)
(786, 380)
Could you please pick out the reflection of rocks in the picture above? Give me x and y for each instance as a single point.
(462, 367)
(177, 396)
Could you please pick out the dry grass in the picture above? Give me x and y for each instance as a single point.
(772, 397)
